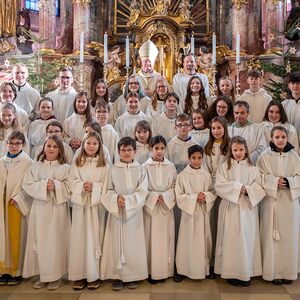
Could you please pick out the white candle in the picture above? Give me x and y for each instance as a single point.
(127, 52)
(105, 58)
(237, 52)
(81, 59)
(161, 58)
(214, 51)
(192, 44)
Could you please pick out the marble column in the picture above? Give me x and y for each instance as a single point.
(240, 24)
(47, 20)
(272, 18)
(81, 9)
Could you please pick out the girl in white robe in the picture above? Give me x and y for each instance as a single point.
(87, 175)
(124, 251)
(49, 222)
(14, 207)
(37, 129)
(280, 212)
(158, 212)
(200, 131)
(195, 198)
(238, 183)
(143, 135)
(75, 124)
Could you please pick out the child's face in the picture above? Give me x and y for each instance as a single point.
(196, 160)
(274, 114)
(100, 89)
(81, 104)
(102, 115)
(198, 121)
(225, 87)
(51, 150)
(279, 139)
(88, 129)
(240, 114)
(294, 88)
(238, 151)
(54, 130)
(7, 94)
(183, 128)
(7, 117)
(142, 135)
(91, 146)
(161, 88)
(217, 130)
(196, 85)
(46, 109)
(171, 104)
(14, 146)
(254, 82)
(127, 154)
(133, 85)
(133, 105)
(158, 152)
(222, 108)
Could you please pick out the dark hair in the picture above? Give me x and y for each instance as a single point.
(87, 113)
(195, 148)
(157, 140)
(17, 135)
(126, 141)
(56, 124)
(188, 102)
(187, 55)
(61, 155)
(132, 94)
(45, 99)
(144, 125)
(96, 127)
(254, 73)
(203, 114)
(232, 92)
(65, 69)
(225, 140)
(4, 84)
(294, 77)
(280, 128)
(103, 104)
(238, 140)
(94, 96)
(183, 117)
(212, 110)
(240, 103)
(283, 116)
(174, 95)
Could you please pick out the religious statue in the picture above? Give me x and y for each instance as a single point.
(204, 60)
(185, 13)
(293, 23)
(8, 17)
(162, 7)
(113, 64)
(134, 13)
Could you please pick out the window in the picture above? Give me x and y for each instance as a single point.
(33, 5)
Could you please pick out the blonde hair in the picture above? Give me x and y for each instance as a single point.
(81, 159)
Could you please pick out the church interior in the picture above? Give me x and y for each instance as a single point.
(101, 39)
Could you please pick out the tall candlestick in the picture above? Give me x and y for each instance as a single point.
(81, 59)
(161, 60)
(214, 44)
(127, 52)
(192, 44)
(105, 58)
(237, 52)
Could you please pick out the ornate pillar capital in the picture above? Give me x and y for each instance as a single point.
(239, 3)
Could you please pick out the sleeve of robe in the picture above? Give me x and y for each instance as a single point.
(76, 184)
(226, 189)
(97, 192)
(261, 144)
(136, 200)
(255, 191)
(67, 137)
(62, 187)
(35, 187)
(294, 181)
(23, 201)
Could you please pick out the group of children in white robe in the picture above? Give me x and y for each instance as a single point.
(235, 216)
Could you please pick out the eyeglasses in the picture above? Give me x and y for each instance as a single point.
(185, 125)
(133, 83)
(54, 131)
(18, 144)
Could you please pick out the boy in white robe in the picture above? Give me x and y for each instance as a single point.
(124, 252)
(251, 132)
(177, 147)
(238, 183)
(257, 97)
(280, 211)
(125, 124)
(195, 198)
